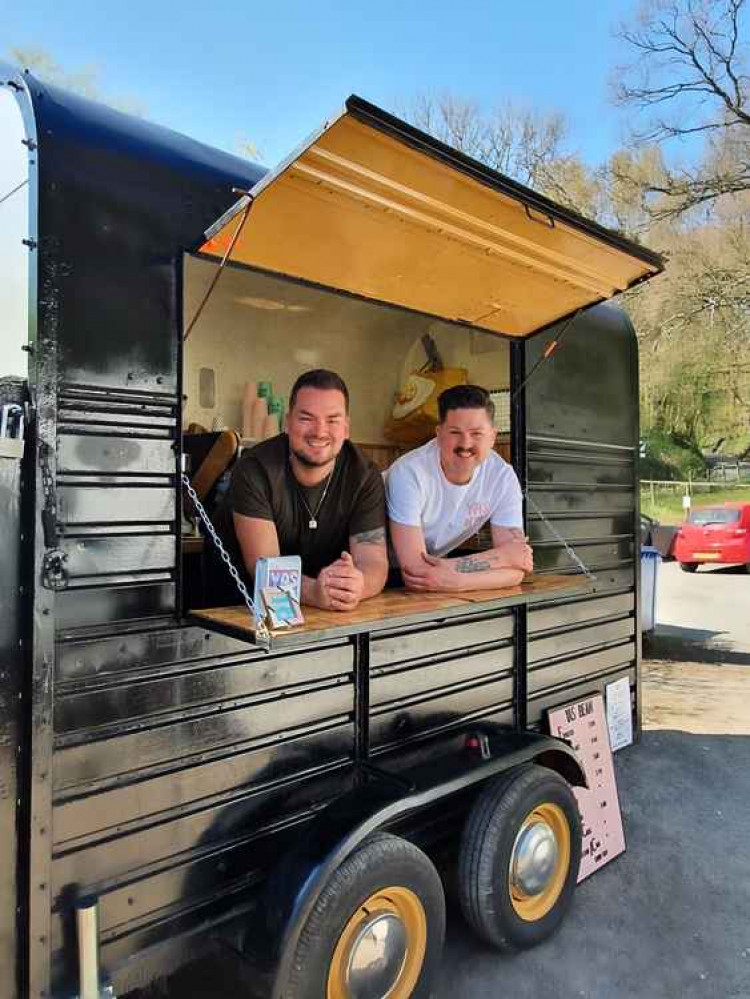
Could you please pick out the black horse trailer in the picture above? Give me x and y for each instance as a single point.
(168, 784)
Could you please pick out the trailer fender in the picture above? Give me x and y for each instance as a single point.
(342, 826)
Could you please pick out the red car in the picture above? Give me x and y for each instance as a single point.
(715, 535)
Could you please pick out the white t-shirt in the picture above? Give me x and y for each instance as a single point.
(419, 495)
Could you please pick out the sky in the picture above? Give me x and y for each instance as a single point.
(230, 72)
(271, 72)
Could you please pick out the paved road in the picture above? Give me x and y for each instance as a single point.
(709, 608)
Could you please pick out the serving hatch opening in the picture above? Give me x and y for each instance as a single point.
(373, 207)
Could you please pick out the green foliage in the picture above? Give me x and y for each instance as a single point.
(669, 456)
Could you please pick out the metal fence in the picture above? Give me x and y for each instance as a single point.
(730, 471)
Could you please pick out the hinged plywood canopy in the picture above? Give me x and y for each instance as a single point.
(372, 207)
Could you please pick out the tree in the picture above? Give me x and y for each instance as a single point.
(527, 145)
(688, 81)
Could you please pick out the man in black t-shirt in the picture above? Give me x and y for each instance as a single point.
(311, 492)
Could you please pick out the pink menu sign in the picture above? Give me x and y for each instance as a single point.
(583, 726)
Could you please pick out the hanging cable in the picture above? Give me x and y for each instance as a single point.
(217, 275)
(15, 189)
(548, 351)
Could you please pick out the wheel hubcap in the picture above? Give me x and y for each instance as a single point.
(539, 862)
(377, 957)
(381, 950)
(534, 858)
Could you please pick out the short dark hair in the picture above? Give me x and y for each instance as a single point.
(319, 378)
(465, 397)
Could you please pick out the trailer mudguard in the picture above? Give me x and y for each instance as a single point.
(379, 802)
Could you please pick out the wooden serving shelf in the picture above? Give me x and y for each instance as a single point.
(393, 608)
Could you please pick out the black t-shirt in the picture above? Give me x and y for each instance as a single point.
(263, 486)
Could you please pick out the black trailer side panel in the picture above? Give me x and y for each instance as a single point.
(581, 449)
(13, 698)
(185, 762)
(115, 202)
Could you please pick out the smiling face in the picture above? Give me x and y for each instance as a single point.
(465, 439)
(317, 426)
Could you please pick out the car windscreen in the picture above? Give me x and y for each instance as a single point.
(719, 515)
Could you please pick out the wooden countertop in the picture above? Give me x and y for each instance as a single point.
(393, 608)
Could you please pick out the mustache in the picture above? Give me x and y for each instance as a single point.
(464, 450)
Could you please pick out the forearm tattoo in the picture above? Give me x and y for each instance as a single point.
(376, 537)
(472, 564)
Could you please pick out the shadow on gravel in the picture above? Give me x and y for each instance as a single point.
(692, 645)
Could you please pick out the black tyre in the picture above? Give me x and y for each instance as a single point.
(689, 566)
(376, 929)
(519, 858)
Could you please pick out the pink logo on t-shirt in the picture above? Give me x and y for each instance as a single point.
(476, 515)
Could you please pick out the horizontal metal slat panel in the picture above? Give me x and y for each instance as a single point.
(104, 814)
(98, 556)
(566, 614)
(543, 442)
(582, 638)
(74, 392)
(582, 500)
(114, 455)
(539, 705)
(575, 529)
(102, 659)
(115, 504)
(554, 558)
(120, 757)
(561, 471)
(618, 578)
(435, 714)
(147, 699)
(572, 671)
(408, 645)
(103, 863)
(436, 676)
(188, 884)
(112, 605)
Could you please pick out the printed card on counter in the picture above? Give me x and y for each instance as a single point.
(278, 588)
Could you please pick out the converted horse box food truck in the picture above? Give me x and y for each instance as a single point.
(169, 781)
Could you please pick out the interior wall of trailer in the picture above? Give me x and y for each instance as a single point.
(261, 327)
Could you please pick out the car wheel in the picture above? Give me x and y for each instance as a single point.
(376, 929)
(519, 858)
(689, 566)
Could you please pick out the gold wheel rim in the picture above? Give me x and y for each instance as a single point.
(531, 908)
(406, 906)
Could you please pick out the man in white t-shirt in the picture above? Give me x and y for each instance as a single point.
(442, 493)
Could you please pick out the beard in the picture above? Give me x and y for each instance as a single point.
(308, 462)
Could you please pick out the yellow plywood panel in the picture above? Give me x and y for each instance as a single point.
(363, 212)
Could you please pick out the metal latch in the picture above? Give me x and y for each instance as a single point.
(54, 573)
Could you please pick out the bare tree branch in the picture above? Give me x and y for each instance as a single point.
(689, 80)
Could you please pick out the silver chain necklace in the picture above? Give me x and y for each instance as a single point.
(313, 515)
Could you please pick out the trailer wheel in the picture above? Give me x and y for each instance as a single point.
(376, 930)
(519, 858)
(689, 566)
